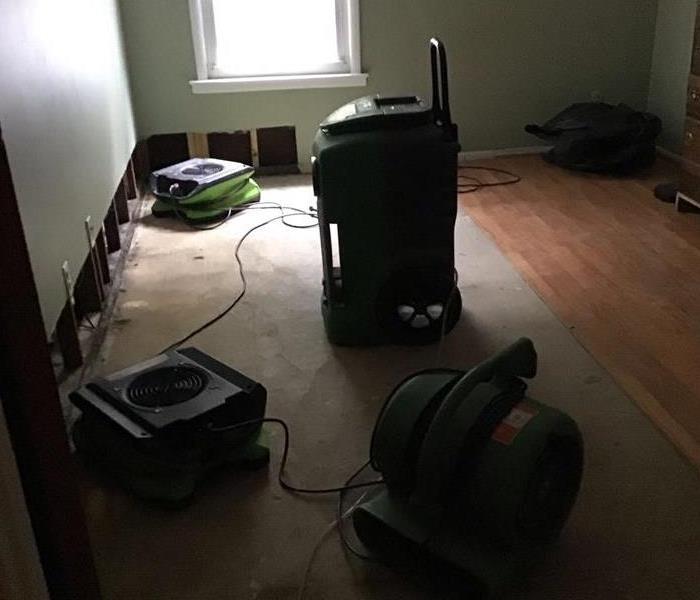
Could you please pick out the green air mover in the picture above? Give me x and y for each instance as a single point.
(202, 189)
(161, 426)
(385, 175)
(479, 476)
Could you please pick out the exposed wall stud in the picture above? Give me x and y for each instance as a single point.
(198, 145)
(67, 338)
(101, 248)
(234, 146)
(167, 149)
(277, 149)
(130, 182)
(120, 203)
(254, 152)
(93, 259)
(111, 228)
(140, 161)
(87, 292)
(67, 282)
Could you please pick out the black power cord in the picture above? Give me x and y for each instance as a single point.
(283, 462)
(311, 212)
(214, 224)
(341, 512)
(341, 490)
(283, 217)
(465, 188)
(476, 184)
(204, 226)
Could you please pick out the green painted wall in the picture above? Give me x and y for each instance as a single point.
(67, 122)
(512, 62)
(675, 27)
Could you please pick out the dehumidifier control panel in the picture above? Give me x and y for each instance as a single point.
(377, 112)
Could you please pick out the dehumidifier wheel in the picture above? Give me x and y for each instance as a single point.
(419, 305)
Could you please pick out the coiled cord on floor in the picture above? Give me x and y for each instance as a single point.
(283, 462)
(463, 188)
(283, 217)
(341, 490)
(476, 184)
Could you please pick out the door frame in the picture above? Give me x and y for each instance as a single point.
(21, 576)
(35, 423)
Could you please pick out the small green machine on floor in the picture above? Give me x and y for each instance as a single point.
(163, 425)
(203, 189)
(478, 476)
(385, 175)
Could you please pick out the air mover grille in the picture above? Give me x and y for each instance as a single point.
(166, 386)
(552, 489)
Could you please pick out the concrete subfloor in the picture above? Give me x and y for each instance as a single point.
(634, 533)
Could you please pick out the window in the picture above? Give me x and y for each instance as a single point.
(252, 45)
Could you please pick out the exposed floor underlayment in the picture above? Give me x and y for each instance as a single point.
(635, 531)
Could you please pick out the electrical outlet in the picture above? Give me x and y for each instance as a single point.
(68, 282)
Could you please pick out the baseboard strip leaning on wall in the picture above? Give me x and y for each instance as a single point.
(485, 154)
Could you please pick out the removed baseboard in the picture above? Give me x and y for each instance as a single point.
(483, 154)
(98, 276)
(115, 289)
(265, 147)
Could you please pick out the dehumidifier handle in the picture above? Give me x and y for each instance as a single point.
(441, 95)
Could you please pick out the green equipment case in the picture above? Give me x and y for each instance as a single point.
(479, 477)
(385, 175)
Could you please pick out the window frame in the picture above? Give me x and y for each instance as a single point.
(346, 73)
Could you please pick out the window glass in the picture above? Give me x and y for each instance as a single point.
(271, 37)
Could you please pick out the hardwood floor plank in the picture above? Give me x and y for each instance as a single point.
(619, 268)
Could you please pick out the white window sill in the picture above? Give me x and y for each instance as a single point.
(278, 82)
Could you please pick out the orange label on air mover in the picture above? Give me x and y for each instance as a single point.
(509, 428)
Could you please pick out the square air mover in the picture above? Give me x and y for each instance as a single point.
(186, 181)
(160, 425)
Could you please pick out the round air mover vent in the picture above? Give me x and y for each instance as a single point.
(552, 489)
(202, 169)
(166, 386)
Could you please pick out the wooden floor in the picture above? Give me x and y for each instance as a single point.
(619, 268)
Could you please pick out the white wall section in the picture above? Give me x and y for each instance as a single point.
(66, 118)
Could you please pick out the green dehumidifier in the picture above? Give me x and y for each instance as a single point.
(478, 476)
(385, 175)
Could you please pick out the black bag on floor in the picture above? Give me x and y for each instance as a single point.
(600, 138)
